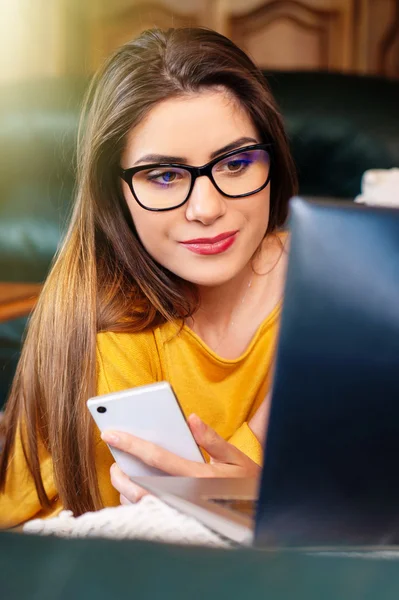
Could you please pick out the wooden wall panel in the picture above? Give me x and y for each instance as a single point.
(386, 59)
(267, 49)
(359, 36)
(67, 37)
(111, 30)
(293, 35)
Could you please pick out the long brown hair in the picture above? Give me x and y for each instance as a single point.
(103, 278)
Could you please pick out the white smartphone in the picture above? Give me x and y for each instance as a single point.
(150, 412)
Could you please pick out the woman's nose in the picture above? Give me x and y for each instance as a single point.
(205, 204)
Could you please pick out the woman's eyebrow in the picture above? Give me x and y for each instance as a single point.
(160, 158)
(167, 158)
(233, 145)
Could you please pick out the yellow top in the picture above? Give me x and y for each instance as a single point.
(224, 393)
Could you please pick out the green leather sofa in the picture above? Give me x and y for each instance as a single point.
(50, 568)
(338, 125)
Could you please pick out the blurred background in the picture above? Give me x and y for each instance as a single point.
(59, 37)
(333, 66)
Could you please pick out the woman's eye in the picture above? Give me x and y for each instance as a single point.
(236, 165)
(168, 177)
(165, 177)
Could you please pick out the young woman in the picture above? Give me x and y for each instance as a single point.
(172, 269)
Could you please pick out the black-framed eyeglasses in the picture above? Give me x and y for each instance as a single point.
(166, 186)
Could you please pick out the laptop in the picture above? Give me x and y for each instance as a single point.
(331, 467)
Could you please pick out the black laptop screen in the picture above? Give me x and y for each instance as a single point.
(331, 470)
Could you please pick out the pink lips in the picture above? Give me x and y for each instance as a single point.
(215, 245)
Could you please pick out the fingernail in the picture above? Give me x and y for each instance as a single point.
(133, 497)
(198, 422)
(109, 437)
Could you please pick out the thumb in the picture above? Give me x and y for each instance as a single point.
(217, 448)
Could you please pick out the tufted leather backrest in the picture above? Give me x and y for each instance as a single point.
(339, 126)
(38, 127)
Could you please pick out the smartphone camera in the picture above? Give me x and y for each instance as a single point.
(101, 409)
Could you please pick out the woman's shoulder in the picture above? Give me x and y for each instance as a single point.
(119, 345)
(127, 359)
(125, 341)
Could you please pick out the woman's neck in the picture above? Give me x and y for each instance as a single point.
(231, 313)
(218, 304)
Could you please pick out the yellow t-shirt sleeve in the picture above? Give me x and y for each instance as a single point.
(19, 502)
(245, 440)
(125, 361)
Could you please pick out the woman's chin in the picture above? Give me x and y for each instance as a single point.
(211, 277)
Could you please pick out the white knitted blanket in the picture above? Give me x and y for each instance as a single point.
(149, 519)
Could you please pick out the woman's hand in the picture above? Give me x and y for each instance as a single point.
(226, 459)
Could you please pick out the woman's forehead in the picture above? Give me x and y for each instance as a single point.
(191, 126)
